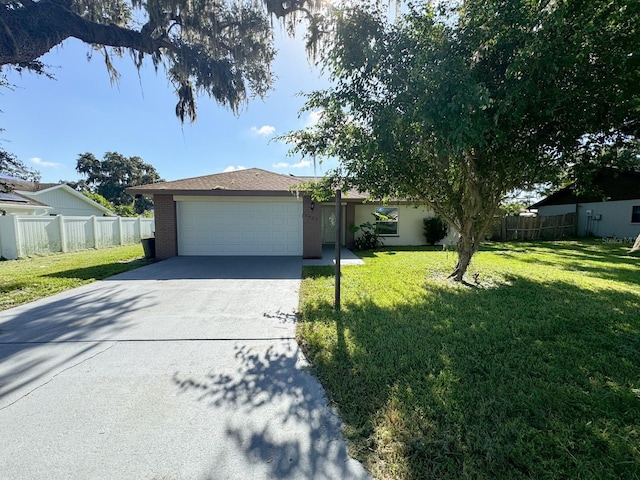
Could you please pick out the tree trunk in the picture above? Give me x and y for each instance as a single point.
(472, 232)
(636, 245)
(466, 249)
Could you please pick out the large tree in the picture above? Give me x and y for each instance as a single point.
(456, 108)
(222, 48)
(110, 177)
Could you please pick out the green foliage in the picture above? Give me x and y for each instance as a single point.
(111, 176)
(223, 49)
(96, 197)
(434, 229)
(28, 279)
(456, 108)
(367, 236)
(512, 209)
(320, 191)
(125, 211)
(532, 372)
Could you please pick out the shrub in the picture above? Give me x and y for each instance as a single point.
(367, 237)
(434, 229)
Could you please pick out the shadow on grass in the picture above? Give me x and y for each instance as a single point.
(527, 380)
(99, 272)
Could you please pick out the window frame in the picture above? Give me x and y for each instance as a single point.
(394, 221)
(635, 214)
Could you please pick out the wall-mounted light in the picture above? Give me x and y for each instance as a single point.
(313, 205)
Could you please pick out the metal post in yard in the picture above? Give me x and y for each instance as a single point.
(337, 254)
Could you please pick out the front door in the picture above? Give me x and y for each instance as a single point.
(329, 224)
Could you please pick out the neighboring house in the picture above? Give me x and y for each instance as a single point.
(613, 211)
(255, 212)
(13, 202)
(61, 198)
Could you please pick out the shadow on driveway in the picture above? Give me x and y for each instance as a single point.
(283, 425)
(186, 368)
(220, 268)
(78, 317)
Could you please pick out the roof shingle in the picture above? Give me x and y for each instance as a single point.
(249, 180)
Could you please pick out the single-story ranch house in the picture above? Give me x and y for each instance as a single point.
(255, 212)
(34, 198)
(612, 210)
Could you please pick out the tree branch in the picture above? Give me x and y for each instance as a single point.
(28, 33)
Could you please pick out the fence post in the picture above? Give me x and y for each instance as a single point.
(63, 234)
(10, 237)
(120, 230)
(16, 226)
(94, 224)
(139, 228)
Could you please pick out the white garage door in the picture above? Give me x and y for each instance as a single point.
(239, 228)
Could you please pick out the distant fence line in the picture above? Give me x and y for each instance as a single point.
(553, 227)
(25, 235)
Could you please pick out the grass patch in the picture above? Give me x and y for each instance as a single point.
(28, 279)
(532, 372)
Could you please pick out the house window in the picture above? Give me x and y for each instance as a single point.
(387, 220)
(635, 214)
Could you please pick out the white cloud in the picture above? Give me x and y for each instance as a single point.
(233, 168)
(264, 130)
(313, 118)
(42, 163)
(300, 164)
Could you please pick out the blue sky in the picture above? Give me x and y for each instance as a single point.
(48, 123)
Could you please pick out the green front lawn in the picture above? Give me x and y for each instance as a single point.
(29, 279)
(533, 372)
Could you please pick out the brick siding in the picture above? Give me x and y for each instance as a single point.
(166, 226)
(311, 229)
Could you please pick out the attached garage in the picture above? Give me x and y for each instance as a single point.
(232, 226)
(242, 212)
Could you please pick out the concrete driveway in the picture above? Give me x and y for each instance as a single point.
(184, 369)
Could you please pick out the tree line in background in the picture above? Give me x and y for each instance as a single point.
(107, 179)
(11, 166)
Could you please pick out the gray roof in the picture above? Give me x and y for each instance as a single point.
(13, 199)
(250, 182)
(609, 184)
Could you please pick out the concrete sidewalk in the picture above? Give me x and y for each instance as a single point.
(184, 369)
(347, 257)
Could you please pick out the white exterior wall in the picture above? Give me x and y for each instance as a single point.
(25, 235)
(615, 217)
(64, 203)
(552, 210)
(409, 224)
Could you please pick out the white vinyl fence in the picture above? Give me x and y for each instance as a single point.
(24, 235)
